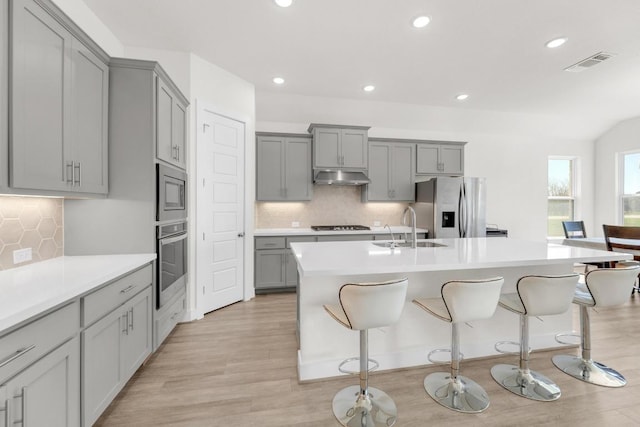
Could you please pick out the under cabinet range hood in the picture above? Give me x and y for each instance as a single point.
(340, 177)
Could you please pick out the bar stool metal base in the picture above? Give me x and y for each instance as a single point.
(589, 371)
(464, 395)
(531, 385)
(352, 409)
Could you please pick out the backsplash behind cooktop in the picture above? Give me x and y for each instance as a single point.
(30, 222)
(330, 205)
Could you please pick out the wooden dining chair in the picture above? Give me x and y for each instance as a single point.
(574, 229)
(625, 239)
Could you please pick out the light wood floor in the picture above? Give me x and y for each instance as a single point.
(237, 367)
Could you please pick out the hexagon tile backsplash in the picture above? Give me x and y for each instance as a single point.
(30, 222)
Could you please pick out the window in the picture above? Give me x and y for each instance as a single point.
(561, 194)
(630, 198)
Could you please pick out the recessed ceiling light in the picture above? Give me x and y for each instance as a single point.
(462, 97)
(284, 3)
(421, 21)
(556, 42)
(369, 88)
(278, 80)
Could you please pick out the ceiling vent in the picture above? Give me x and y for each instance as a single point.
(589, 62)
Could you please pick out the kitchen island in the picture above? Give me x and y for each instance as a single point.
(324, 267)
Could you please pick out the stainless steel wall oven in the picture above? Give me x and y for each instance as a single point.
(172, 260)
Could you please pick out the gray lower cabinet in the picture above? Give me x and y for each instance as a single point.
(440, 159)
(275, 264)
(283, 167)
(391, 171)
(40, 371)
(59, 100)
(168, 317)
(113, 348)
(47, 393)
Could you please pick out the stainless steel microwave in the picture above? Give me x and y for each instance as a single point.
(172, 194)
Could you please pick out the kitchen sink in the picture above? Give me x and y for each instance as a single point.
(408, 244)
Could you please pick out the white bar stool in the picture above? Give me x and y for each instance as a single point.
(364, 306)
(536, 296)
(462, 301)
(604, 287)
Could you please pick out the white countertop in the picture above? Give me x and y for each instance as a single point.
(265, 232)
(27, 291)
(349, 258)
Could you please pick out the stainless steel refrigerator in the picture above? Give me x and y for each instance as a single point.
(452, 207)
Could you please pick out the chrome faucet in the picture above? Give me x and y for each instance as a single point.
(414, 237)
(393, 240)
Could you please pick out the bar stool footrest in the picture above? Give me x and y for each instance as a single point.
(559, 338)
(353, 359)
(441, 350)
(502, 343)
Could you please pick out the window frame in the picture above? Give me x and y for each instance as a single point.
(620, 184)
(574, 190)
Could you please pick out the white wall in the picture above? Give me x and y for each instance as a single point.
(510, 150)
(84, 17)
(623, 137)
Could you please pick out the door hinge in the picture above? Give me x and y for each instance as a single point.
(203, 236)
(203, 182)
(203, 290)
(204, 127)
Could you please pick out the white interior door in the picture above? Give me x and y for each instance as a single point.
(220, 211)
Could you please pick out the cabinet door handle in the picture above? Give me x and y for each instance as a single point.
(130, 318)
(178, 152)
(76, 166)
(6, 412)
(17, 354)
(24, 406)
(127, 289)
(69, 176)
(125, 330)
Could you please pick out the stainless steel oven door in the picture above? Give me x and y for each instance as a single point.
(172, 266)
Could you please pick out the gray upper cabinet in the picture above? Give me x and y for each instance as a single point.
(440, 159)
(391, 171)
(156, 117)
(59, 102)
(339, 146)
(171, 119)
(283, 167)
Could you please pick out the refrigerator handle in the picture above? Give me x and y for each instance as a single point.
(461, 231)
(465, 214)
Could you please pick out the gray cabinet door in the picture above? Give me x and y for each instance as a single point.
(40, 94)
(101, 347)
(165, 149)
(452, 159)
(427, 159)
(137, 345)
(297, 169)
(379, 188)
(402, 172)
(270, 268)
(179, 137)
(47, 393)
(269, 168)
(90, 83)
(326, 148)
(353, 148)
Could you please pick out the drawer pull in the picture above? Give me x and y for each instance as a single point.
(269, 244)
(127, 289)
(17, 354)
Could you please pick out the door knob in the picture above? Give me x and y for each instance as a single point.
(241, 234)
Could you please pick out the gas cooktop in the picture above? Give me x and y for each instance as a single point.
(339, 227)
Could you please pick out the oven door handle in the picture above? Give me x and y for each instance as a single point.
(169, 240)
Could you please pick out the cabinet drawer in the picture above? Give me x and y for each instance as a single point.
(102, 301)
(169, 319)
(23, 346)
(270, 242)
(300, 239)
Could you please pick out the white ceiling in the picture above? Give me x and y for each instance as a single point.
(494, 50)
